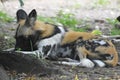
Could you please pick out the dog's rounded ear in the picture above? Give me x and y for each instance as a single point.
(118, 18)
(21, 15)
(33, 14)
(32, 17)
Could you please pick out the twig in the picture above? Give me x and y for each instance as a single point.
(115, 38)
(110, 37)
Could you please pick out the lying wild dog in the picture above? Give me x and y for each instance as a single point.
(53, 42)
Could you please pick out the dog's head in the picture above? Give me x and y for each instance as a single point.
(24, 32)
(29, 30)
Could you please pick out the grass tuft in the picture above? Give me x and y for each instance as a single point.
(4, 17)
(115, 31)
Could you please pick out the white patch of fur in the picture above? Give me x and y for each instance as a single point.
(87, 63)
(61, 29)
(99, 63)
(83, 63)
(69, 63)
(54, 40)
(102, 42)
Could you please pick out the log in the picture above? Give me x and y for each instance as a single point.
(23, 63)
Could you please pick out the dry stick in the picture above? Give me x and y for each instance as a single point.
(116, 38)
(111, 37)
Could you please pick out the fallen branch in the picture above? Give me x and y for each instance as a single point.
(115, 38)
(110, 37)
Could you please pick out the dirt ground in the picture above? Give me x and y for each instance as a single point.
(82, 10)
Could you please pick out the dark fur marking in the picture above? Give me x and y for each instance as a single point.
(46, 49)
(16, 34)
(53, 54)
(27, 43)
(101, 57)
(71, 46)
(106, 56)
(21, 14)
(24, 44)
(31, 18)
(91, 44)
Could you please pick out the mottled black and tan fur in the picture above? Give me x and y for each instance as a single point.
(54, 42)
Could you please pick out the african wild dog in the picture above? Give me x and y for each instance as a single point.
(54, 42)
(37, 36)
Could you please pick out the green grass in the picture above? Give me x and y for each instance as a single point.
(100, 3)
(112, 22)
(4, 17)
(47, 19)
(97, 32)
(66, 19)
(115, 31)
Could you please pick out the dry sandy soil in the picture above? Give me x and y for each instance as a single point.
(81, 8)
(49, 8)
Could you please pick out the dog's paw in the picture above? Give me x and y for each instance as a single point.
(99, 63)
(87, 63)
